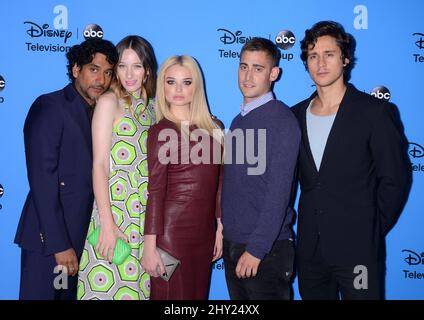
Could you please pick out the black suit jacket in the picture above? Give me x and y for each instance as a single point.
(361, 186)
(58, 151)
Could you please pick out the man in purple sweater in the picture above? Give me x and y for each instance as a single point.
(261, 152)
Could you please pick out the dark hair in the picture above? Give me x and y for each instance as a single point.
(262, 44)
(344, 40)
(146, 54)
(82, 54)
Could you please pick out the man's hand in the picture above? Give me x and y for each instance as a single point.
(68, 259)
(247, 266)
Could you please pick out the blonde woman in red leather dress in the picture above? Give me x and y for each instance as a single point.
(183, 214)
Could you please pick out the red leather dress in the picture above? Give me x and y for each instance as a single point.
(182, 210)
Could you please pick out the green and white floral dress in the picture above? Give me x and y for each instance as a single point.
(97, 278)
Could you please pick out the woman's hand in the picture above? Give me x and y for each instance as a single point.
(152, 262)
(217, 250)
(109, 233)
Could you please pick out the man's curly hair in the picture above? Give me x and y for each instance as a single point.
(345, 41)
(82, 54)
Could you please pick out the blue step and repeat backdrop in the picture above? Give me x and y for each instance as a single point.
(390, 48)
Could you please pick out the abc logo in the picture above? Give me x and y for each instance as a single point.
(285, 39)
(381, 93)
(2, 83)
(93, 31)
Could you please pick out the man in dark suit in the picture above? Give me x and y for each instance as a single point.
(56, 214)
(354, 174)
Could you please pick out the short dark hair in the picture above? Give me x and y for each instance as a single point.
(344, 40)
(262, 44)
(82, 54)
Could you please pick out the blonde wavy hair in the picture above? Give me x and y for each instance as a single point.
(199, 109)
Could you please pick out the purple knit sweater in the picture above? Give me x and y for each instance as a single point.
(255, 207)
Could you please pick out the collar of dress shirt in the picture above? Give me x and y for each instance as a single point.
(246, 108)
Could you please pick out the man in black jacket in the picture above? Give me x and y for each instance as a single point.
(354, 174)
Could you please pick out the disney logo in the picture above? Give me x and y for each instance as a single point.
(36, 31)
(413, 258)
(415, 150)
(230, 38)
(2, 83)
(419, 43)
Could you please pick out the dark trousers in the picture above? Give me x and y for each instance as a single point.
(319, 280)
(273, 279)
(38, 279)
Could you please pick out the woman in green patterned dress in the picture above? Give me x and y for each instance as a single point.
(121, 120)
